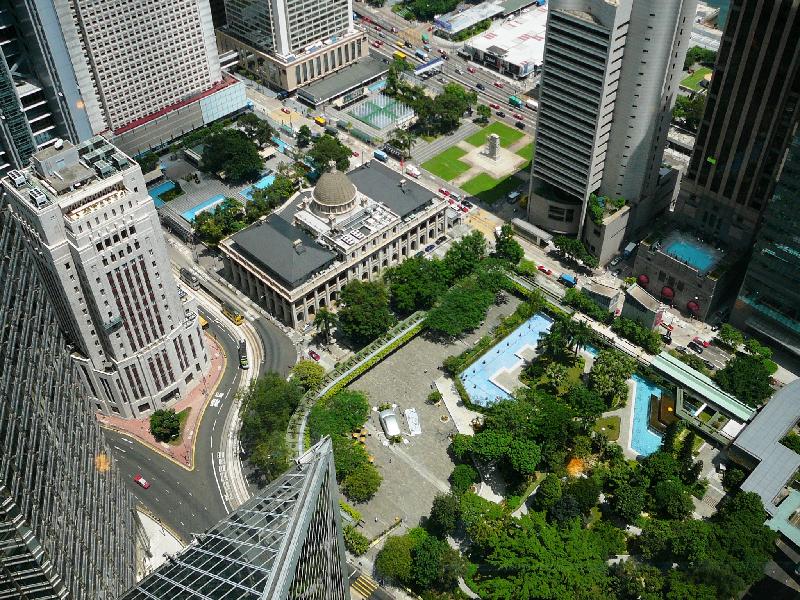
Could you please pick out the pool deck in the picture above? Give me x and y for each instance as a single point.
(625, 415)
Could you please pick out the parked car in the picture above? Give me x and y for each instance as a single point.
(376, 44)
(518, 116)
(695, 346)
(467, 203)
(682, 350)
(430, 247)
(471, 70)
(313, 354)
(480, 86)
(545, 270)
(519, 125)
(389, 422)
(464, 208)
(494, 105)
(501, 114)
(459, 71)
(444, 192)
(286, 110)
(141, 481)
(615, 261)
(703, 343)
(441, 240)
(498, 84)
(355, 153)
(709, 365)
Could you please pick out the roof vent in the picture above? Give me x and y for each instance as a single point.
(298, 246)
(58, 144)
(17, 177)
(38, 197)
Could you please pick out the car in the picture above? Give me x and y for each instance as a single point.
(430, 28)
(709, 365)
(498, 84)
(409, 45)
(471, 69)
(440, 79)
(682, 350)
(430, 247)
(141, 481)
(355, 153)
(394, 29)
(519, 125)
(464, 208)
(288, 111)
(616, 272)
(313, 354)
(494, 105)
(441, 240)
(518, 116)
(459, 71)
(377, 27)
(695, 346)
(419, 254)
(615, 261)
(444, 192)
(545, 270)
(500, 113)
(389, 423)
(480, 86)
(703, 343)
(381, 34)
(376, 44)
(467, 203)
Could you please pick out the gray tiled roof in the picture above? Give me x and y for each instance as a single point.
(270, 244)
(381, 183)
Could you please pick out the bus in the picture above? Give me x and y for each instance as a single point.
(515, 102)
(190, 278)
(234, 315)
(399, 55)
(421, 55)
(532, 104)
(203, 322)
(243, 362)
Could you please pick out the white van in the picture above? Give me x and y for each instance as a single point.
(413, 171)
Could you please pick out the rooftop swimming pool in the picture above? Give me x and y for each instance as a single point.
(691, 251)
(261, 184)
(644, 440)
(495, 374)
(155, 193)
(207, 206)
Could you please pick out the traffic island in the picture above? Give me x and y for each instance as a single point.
(181, 450)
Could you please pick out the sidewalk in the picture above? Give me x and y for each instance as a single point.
(162, 542)
(461, 416)
(183, 453)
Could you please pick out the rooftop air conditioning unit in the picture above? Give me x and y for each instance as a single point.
(38, 197)
(17, 177)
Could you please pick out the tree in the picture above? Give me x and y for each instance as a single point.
(339, 415)
(730, 336)
(425, 558)
(364, 311)
(548, 493)
(256, 129)
(165, 425)
(628, 502)
(148, 161)
(362, 483)
(574, 250)
(415, 284)
(403, 140)
(732, 478)
(308, 374)
(327, 149)
(231, 152)
(756, 348)
(462, 308)
(524, 456)
(747, 378)
(585, 491)
(556, 374)
(303, 136)
(394, 559)
(462, 478)
(490, 445)
(582, 335)
(670, 436)
(507, 248)
(484, 113)
(463, 256)
(609, 374)
(434, 397)
(587, 403)
(698, 54)
(348, 455)
(690, 109)
(324, 321)
(444, 514)
(355, 541)
(461, 445)
(672, 500)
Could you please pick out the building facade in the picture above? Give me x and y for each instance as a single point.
(285, 543)
(753, 105)
(99, 245)
(769, 299)
(290, 44)
(350, 227)
(68, 528)
(609, 81)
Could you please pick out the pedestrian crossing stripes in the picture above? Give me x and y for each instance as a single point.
(365, 586)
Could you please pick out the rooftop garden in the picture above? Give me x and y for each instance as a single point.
(601, 207)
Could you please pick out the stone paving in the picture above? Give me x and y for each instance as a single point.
(183, 452)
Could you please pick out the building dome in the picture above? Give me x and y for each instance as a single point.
(334, 194)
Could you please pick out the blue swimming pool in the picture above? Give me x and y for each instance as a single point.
(644, 440)
(261, 184)
(208, 205)
(477, 378)
(282, 146)
(155, 192)
(691, 251)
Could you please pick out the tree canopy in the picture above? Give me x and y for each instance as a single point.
(327, 148)
(747, 377)
(609, 374)
(507, 248)
(231, 152)
(364, 311)
(415, 284)
(165, 425)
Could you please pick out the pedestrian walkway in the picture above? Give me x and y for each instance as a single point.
(163, 542)
(461, 416)
(423, 150)
(180, 453)
(363, 587)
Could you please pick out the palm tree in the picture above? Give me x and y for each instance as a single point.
(403, 139)
(553, 343)
(582, 334)
(324, 321)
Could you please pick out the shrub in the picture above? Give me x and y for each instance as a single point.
(356, 542)
(362, 483)
(394, 559)
(792, 441)
(350, 510)
(462, 478)
(165, 425)
(582, 303)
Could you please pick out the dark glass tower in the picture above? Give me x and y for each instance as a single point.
(753, 105)
(769, 301)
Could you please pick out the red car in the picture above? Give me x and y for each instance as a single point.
(141, 481)
(471, 69)
(377, 27)
(444, 192)
(464, 208)
(518, 116)
(355, 152)
(430, 28)
(376, 44)
(494, 105)
(498, 84)
(703, 343)
(313, 354)
(545, 270)
(286, 110)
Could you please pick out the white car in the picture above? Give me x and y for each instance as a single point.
(389, 423)
(615, 262)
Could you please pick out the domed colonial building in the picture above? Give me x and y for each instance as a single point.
(349, 226)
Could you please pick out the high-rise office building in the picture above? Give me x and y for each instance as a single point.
(769, 300)
(285, 543)
(101, 251)
(68, 528)
(289, 43)
(609, 81)
(752, 106)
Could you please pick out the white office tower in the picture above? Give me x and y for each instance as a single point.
(609, 81)
(93, 228)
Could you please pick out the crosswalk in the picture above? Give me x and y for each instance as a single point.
(365, 586)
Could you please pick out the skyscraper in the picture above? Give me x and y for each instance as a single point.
(609, 81)
(752, 107)
(285, 543)
(68, 528)
(99, 245)
(769, 300)
(292, 43)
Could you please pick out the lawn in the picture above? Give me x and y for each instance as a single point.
(692, 82)
(508, 135)
(526, 152)
(446, 165)
(183, 415)
(608, 426)
(488, 189)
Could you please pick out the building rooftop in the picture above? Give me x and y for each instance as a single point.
(601, 289)
(377, 181)
(518, 40)
(279, 248)
(458, 20)
(343, 80)
(761, 440)
(641, 296)
(701, 385)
